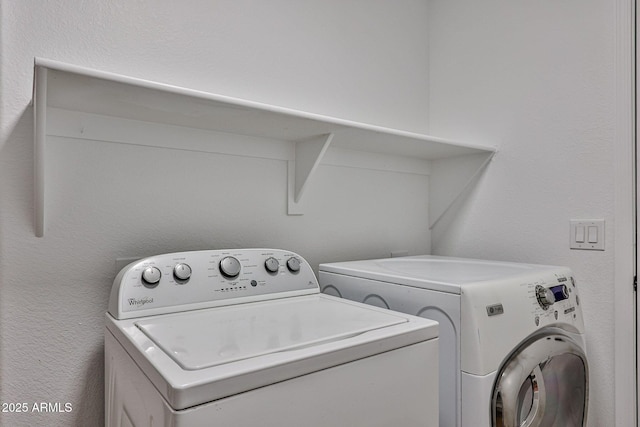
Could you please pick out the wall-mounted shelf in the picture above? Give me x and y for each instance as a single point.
(78, 102)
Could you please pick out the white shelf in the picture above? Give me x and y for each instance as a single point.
(64, 92)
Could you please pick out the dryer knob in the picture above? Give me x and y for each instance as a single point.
(545, 297)
(229, 267)
(151, 276)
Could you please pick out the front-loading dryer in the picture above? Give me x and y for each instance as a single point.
(244, 338)
(512, 350)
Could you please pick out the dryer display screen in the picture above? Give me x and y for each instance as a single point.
(560, 292)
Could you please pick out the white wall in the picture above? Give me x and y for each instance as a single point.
(537, 78)
(361, 60)
(534, 78)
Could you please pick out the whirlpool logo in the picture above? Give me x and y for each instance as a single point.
(139, 302)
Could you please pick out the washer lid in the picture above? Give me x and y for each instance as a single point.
(203, 339)
(203, 355)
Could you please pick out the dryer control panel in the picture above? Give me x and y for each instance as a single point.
(183, 281)
(555, 300)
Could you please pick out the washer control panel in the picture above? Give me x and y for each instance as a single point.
(183, 281)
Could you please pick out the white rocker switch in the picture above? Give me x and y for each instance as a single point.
(587, 234)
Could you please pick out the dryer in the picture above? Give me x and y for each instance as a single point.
(512, 349)
(245, 338)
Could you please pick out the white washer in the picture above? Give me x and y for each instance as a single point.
(245, 338)
(511, 335)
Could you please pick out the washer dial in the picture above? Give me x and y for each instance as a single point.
(182, 271)
(271, 265)
(230, 267)
(151, 276)
(293, 264)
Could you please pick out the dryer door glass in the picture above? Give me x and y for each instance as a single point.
(543, 384)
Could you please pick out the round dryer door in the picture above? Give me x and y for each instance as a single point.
(544, 383)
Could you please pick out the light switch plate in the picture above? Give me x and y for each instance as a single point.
(587, 234)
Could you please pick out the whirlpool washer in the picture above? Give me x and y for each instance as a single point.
(245, 338)
(512, 350)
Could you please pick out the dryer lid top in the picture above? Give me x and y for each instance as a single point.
(446, 274)
(453, 270)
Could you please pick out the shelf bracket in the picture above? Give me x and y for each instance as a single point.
(39, 129)
(307, 156)
(459, 179)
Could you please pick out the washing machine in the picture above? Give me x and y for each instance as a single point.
(512, 349)
(245, 338)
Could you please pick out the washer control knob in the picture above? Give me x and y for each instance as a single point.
(271, 265)
(229, 267)
(151, 276)
(293, 264)
(182, 271)
(545, 297)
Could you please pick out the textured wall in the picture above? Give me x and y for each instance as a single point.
(537, 78)
(360, 60)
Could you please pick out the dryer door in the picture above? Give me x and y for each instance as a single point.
(544, 383)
